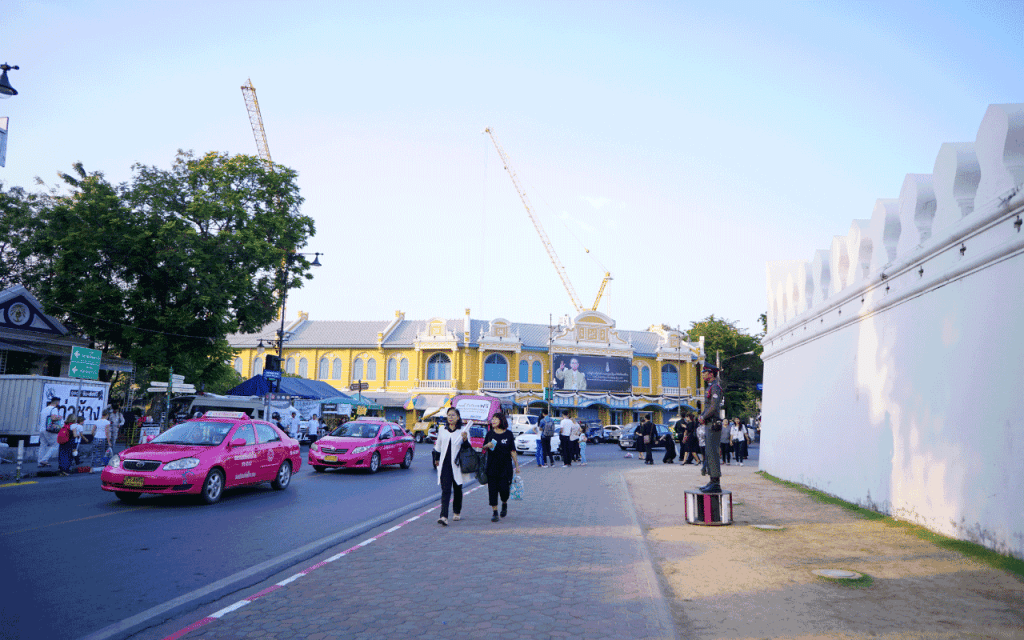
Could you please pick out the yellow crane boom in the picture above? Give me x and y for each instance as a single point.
(544, 236)
(252, 105)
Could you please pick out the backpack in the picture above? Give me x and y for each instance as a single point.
(549, 428)
(64, 435)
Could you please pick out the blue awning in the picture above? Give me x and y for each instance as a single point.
(295, 387)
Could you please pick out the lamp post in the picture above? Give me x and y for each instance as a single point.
(289, 259)
(6, 90)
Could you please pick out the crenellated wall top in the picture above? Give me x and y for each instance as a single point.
(972, 187)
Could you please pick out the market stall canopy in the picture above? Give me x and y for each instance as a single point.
(296, 387)
(354, 401)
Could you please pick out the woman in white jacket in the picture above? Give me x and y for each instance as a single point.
(449, 475)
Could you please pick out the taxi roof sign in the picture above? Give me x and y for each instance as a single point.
(237, 415)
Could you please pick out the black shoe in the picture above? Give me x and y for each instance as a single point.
(495, 517)
(703, 471)
(711, 487)
(504, 510)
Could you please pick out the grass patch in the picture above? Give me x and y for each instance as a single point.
(969, 549)
(863, 582)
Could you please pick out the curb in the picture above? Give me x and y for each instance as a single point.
(248, 577)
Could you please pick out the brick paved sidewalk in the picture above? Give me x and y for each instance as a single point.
(568, 561)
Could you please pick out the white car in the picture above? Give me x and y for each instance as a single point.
(612, 432)
(520, 423)
(526, 444)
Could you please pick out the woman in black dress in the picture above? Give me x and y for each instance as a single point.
(502, 463)
(670, 448)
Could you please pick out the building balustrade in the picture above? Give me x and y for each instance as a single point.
(435, 384)
(672, 392)
(498, 385)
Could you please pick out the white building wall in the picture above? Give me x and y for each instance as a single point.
(900, 390)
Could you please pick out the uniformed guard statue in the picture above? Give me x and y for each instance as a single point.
(710, 418)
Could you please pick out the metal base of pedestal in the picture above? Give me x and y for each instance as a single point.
(708, 509)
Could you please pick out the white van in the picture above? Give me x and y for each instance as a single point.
(184, 407)
(518, 423)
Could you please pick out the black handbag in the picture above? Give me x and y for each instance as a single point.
(469, 459)
(481, 473)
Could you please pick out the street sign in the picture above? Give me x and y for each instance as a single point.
(177, 377)
(272, 375)
(182, 388)
(85, 363)
(760, 387)
(359, 386)
(157, 383)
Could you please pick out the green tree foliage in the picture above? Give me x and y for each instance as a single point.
(17, 209)
(741, 371)
(161, 269)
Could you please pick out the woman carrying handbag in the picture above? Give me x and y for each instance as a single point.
(502, 464)
(449, 441)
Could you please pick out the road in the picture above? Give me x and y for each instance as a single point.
(76, 559)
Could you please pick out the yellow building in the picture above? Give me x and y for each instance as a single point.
(410, 367)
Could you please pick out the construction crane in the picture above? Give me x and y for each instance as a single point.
(252, 105)
(544, 236)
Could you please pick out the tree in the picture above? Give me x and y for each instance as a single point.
(161, 269)
(739, 354)
(17, 209)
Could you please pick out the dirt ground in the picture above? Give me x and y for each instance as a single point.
(741, 582)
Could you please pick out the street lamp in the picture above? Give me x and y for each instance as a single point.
(289, 259)
(6, 90)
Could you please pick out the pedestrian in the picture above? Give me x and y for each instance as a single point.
(726, 442)
(538, 454)
(638, 441)
(739, 441)
(50, 422)
(650, 434)
(293, 425)
(449, 442)
(670, 448)
(79, 437)
(712, 426)
(701, 433)
(582, 443)
(66, 445)
(276, 418)
(574, 440)
(547, 433)
(117, 422)
(688, 445)
(565, 431)
(101, 442)
(502, 464)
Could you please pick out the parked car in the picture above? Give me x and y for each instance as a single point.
(595, 434)
(526, 444)
(518, 423)
(627, 438)
(612, 432)
(366, 443)
(205, 456)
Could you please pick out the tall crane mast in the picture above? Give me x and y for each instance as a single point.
(544, 236)
(252, 105)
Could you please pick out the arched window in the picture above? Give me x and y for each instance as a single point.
(439, 367)
(392, 373)
(635, 376)
(371, 369)
(257, 366)
(645, 376)
(496, 368)
(336, 370)
(524, 371)
(357, 370)
(403, 369)
(303, 367)
(536, 376)
(323, 369)
(238, 365)
(289, 366)
(669, 375)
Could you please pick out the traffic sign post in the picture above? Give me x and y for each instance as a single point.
(359, 386)
(85, 363)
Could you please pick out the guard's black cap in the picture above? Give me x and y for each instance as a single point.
(710, 367)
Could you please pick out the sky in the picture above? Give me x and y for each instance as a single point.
(676, 145)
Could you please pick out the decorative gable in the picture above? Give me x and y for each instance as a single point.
(591, 332)
(21, 311)
(499, 336)
(436, 335)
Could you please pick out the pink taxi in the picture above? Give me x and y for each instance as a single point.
(366, 443)
(220, 450)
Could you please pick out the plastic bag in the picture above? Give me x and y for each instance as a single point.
(517, 488)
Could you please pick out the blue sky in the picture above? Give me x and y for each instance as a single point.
(683, 145)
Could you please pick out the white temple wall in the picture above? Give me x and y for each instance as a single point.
(899, 389)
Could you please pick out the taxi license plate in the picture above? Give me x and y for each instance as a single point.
(330, 458)
(134, 481)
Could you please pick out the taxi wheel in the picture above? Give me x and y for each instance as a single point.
(375, 463)
(127, 496)
(284, 476)
(419, 437)
(213, 486)
(319, 468)
(408, 459)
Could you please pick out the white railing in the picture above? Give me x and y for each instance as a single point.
(498, 385)
(672, 392)
(436, 384)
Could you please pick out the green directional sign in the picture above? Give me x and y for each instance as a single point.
(85, 363)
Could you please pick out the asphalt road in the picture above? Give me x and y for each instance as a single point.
(75, 559)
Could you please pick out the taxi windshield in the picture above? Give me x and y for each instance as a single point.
(357, 430)
(195, 432)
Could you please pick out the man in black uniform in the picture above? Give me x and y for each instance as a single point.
(713, 399)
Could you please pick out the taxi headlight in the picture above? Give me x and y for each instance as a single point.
(183, 463)
(362, 449)
(315, 447)
(114, 462)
